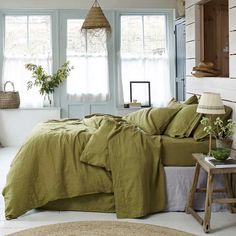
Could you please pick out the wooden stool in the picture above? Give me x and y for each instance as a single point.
(211, 171)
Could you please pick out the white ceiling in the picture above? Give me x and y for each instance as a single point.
(80, 4)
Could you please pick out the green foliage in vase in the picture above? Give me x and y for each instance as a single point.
(218, 128)
(47, 83)
(221, 154)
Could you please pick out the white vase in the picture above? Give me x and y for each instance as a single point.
(48, 100)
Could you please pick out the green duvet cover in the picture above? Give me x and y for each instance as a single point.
(97, 155)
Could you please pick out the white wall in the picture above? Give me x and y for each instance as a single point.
(80, 4)
(225, 86)
(17, 124)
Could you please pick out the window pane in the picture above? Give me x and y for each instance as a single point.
(143, 55)
(80, 43)
(27, 40)
(131, 34)
(96, 45)
(75, 41)
(28, 35)
(40, 35)
(87, 53)
(154, 34)
(15, 35)
(143, 34)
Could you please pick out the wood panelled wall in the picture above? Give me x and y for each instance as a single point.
(225, 86)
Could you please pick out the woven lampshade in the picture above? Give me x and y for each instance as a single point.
(210, 103)
(96, 19)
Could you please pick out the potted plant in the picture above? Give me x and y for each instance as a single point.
(47, 83)
(222, 132)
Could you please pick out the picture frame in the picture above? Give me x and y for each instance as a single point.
(140, 92)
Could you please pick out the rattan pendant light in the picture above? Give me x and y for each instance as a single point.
(96, 20)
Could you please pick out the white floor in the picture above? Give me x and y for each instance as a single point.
(222, 223)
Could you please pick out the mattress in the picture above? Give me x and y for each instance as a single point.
(178, 152)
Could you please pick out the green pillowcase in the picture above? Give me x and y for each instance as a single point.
(184, 122)
(201, 134)
(152, 120)
(174, 104)
(192, 100)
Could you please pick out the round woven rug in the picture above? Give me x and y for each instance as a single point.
(101, 228)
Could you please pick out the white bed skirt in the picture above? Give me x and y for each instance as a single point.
(179, 182)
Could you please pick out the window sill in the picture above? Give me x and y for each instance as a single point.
(132, 108)
(33, 108)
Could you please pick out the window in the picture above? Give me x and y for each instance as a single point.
(141, 48)
(27, 40)
(144, 55)
(88, 80)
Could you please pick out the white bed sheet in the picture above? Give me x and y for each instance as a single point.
(179, 182)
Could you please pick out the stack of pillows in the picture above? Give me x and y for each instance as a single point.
(177, 120)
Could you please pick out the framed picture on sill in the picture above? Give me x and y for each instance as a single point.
(140, 92)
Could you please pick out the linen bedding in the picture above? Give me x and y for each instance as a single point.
(175, 154)
(98, 155)
(103, 163)
(178, 151)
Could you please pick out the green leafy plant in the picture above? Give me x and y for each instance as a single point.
(47, 83)
(218, 128)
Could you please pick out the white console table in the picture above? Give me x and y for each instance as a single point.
(16, 124)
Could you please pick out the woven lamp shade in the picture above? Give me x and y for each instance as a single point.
(210, 103)
(96, 19)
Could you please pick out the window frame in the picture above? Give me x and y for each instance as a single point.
(1, 48)
(54, 32)
(170, 41)
(59, 51)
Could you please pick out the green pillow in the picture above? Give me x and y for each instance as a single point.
(174, 104)
(184, 122)
(192, 100)
(152, 120)
(201, 134)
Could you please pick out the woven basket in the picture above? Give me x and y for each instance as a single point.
(9, 99)
(96, 19)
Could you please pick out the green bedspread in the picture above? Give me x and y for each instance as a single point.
(101, 154)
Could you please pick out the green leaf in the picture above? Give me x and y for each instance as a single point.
(47, 83)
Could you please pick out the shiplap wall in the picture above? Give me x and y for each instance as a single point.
(193, 36)
(225, 86)
(232, 37)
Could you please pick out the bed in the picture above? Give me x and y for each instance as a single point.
(106, 163)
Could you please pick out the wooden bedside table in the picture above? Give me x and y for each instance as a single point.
(211, 171)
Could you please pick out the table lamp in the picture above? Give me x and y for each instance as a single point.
(210, 104)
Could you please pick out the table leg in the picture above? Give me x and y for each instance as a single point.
(208, 202)
(229, 192)
(193, 189)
